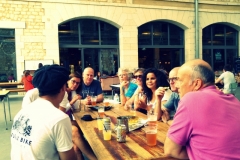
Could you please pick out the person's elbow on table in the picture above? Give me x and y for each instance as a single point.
(175, 150)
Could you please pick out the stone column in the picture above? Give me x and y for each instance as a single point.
(128, 46)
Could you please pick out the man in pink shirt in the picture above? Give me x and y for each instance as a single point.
(206, 124)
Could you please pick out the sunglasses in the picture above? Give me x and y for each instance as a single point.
(137, 76)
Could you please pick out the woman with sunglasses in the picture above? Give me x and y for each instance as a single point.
(154, 85)
(138, 80)
(73, 91)
(127, 88)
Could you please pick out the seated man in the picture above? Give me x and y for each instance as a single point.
(227, 77)
(90, 87)
(170, 107)
(197, 131)
(77, 135)
(40, 130)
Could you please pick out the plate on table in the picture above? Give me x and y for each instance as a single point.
(135, 123)
(95, 108)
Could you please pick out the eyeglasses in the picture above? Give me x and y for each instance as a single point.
(120, 75)
(73, 82)
(173, 79)
(137, 76)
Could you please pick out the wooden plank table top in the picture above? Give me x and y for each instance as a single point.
(9, 84)
(135, 146)
(3, 93)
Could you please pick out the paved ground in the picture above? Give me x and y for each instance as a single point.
(16, 101)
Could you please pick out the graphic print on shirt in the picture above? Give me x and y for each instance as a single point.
(21, 130)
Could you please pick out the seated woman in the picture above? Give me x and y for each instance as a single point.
(154, 83)
(138, 73)
(73, 90)
(127, 88)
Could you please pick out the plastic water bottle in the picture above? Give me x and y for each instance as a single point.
(116, 98)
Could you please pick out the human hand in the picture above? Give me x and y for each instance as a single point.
(124, 83)
(87, 100)
(159, 93)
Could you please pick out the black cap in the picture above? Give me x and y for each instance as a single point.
(50, 78)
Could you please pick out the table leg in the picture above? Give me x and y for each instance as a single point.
(112, 93)
(3, 102)
(9, 110)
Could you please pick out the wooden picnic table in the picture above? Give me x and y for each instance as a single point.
(3, 95)
(135, 146)
(10, 84)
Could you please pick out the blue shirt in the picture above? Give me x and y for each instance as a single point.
(172, 103)
(94, 89)
(131, 89)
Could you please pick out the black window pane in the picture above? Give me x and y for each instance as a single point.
(144, 34)
(109, 34)
(176, 35)
(218, 34)
(160, 33)
(207, 56)
(68, 33)
(206, 36)
(89, 32)
(7, 54)
(231, 55)
(231, 36)
(218, 59)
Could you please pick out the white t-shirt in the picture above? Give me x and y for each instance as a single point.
(30, 96)
(40, 131)
(228, 78)
(33, 94)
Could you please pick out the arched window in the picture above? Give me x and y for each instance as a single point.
(89, 42)
(219, 45)
(161, 45)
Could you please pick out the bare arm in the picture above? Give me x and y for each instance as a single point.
(174, 150)
(165, 114)
(68, 155)
(218, 80)
(99, 98)
(122, 96)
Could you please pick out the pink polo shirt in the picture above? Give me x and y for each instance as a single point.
(207, 122)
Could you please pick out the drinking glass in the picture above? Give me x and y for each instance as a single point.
(101, 112)
(100, 124)
(152, 117)
(107, 134)
(94, 100)
(77, 105)
(106, 102)
(151, 134)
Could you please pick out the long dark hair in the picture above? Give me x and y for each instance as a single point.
(161, 81)
(76, 75)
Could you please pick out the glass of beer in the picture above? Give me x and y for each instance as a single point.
(100, 124)
(94, 100)
(101, 112)
(106, 102)
(107, 134)
(152, 117)
(151, 134)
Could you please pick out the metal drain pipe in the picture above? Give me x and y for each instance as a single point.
(196, 30)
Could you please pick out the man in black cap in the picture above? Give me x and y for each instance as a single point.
(40, 130)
